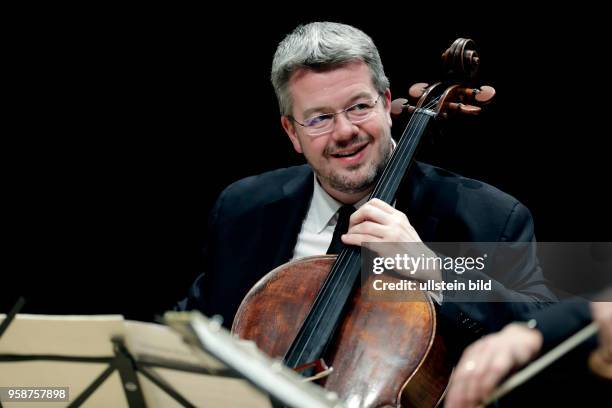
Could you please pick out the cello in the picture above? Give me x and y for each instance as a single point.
(381, 353)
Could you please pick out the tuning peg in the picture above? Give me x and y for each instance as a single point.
(463, 108)
(398, 105)
(417, 90)
(483, 95)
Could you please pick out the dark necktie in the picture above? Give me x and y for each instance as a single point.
(341, 227)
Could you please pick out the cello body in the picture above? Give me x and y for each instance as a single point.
(386, 353)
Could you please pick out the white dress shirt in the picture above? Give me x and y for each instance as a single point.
(319, 224)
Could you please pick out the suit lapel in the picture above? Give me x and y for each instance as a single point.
(282, 221)
(412, 200)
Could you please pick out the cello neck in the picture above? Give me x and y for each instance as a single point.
(320, 324)
(402, 157)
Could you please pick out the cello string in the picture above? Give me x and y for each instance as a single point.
(338, 275)
(416, 130)
(408, 145)
(396, 152)
(403, 156)
(399, 152)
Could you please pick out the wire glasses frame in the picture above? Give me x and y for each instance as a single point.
(321, 124)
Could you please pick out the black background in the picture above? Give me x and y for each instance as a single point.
(128, 124)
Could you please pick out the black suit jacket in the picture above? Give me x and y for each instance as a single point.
(254, 225)
(558, 322)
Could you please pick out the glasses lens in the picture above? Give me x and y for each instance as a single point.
(360, 112)
(319, 124)
(359, 116)
(357, 113)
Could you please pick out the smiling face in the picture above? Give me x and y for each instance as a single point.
(349, 159)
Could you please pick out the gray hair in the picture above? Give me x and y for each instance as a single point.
(322, 46)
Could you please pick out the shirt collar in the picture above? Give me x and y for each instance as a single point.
(325, 207)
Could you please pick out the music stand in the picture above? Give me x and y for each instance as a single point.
(280, 382)
(132, 350)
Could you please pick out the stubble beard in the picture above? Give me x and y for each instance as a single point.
(344, 183)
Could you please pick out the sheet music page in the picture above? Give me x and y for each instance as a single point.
(85, 336)
(89, 336)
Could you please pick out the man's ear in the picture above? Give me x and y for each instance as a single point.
(387, 96)
(290, 130)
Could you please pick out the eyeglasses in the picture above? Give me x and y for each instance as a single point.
(321, 124)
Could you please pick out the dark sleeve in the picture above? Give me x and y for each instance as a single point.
(559, 321)
(517, 282)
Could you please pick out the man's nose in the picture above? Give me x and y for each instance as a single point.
(344, 129)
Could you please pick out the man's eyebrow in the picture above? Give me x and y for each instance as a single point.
(308, 113)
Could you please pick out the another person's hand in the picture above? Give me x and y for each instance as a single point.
(488, 360)
(601, 361)
(602, 314)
